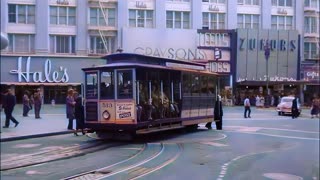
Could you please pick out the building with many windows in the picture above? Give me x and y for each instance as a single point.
(51, 40)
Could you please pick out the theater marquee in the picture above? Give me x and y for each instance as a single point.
(221, 40)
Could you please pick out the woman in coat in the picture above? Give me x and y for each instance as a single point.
(79, 114)
(70, 103)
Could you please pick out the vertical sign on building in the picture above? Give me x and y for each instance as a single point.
(217, 44)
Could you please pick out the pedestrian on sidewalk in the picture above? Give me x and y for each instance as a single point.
(70, 103)
(315, 107)
(79, 113)
(294, 108)
(9, 103)
(37, 100)
(218, 113)
(26, 103)
(247, 107)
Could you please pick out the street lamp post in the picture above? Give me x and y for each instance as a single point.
(267, 55)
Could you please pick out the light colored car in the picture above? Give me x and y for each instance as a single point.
(284, 107)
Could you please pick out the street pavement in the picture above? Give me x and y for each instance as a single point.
(54, 122)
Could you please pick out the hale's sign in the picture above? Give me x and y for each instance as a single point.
(48, 75)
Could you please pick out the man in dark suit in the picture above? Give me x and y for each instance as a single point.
(9, 103)
(218, 113)
(294, 108)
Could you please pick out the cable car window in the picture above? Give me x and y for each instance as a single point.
(107, 85)
(91, 86)
(195, 89)
(212, 85)
(204, 85)
(124, 84)
(187, 83)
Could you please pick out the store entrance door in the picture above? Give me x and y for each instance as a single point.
(56, 93)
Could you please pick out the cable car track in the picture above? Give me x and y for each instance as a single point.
(151, 158)
(55, 154)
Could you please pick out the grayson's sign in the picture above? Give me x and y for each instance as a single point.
(48, 75)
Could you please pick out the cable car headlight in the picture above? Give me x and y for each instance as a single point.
(106, 115)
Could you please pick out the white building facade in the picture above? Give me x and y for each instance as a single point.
(66, 30)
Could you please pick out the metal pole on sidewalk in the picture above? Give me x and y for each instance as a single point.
(267, 55)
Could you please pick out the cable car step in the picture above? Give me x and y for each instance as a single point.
(159, 128)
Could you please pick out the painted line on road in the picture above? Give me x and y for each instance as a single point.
(281, 129)
(214, 144)
(290, 137)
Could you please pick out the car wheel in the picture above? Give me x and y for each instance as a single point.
(279, 113)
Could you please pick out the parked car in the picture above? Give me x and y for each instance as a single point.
(284, 107)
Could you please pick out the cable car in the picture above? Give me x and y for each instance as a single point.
(136, 94)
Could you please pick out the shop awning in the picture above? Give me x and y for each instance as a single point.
(271, 83)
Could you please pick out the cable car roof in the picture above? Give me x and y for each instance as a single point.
(138, 60)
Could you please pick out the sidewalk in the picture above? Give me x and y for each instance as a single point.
(53, 121)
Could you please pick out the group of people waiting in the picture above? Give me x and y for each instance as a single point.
(75, 110)
(32, 100)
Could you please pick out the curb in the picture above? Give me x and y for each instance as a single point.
(35, 136)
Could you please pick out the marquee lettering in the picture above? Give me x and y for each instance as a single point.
(214, 39)
(281, 45)
(180, 54)
(60, 75)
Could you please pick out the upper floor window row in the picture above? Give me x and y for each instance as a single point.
(21, 43)
(311, 50)
(60, 15)
(249, 21)
(311, 25)
(101, 45)
(141, 18)
(178, 19)
(107, 17)
(215, 1)
(312, 3)
(213, 20)
(248, 2)
(62, 44)
(282, 3)
(21, 14)
(282, 22)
